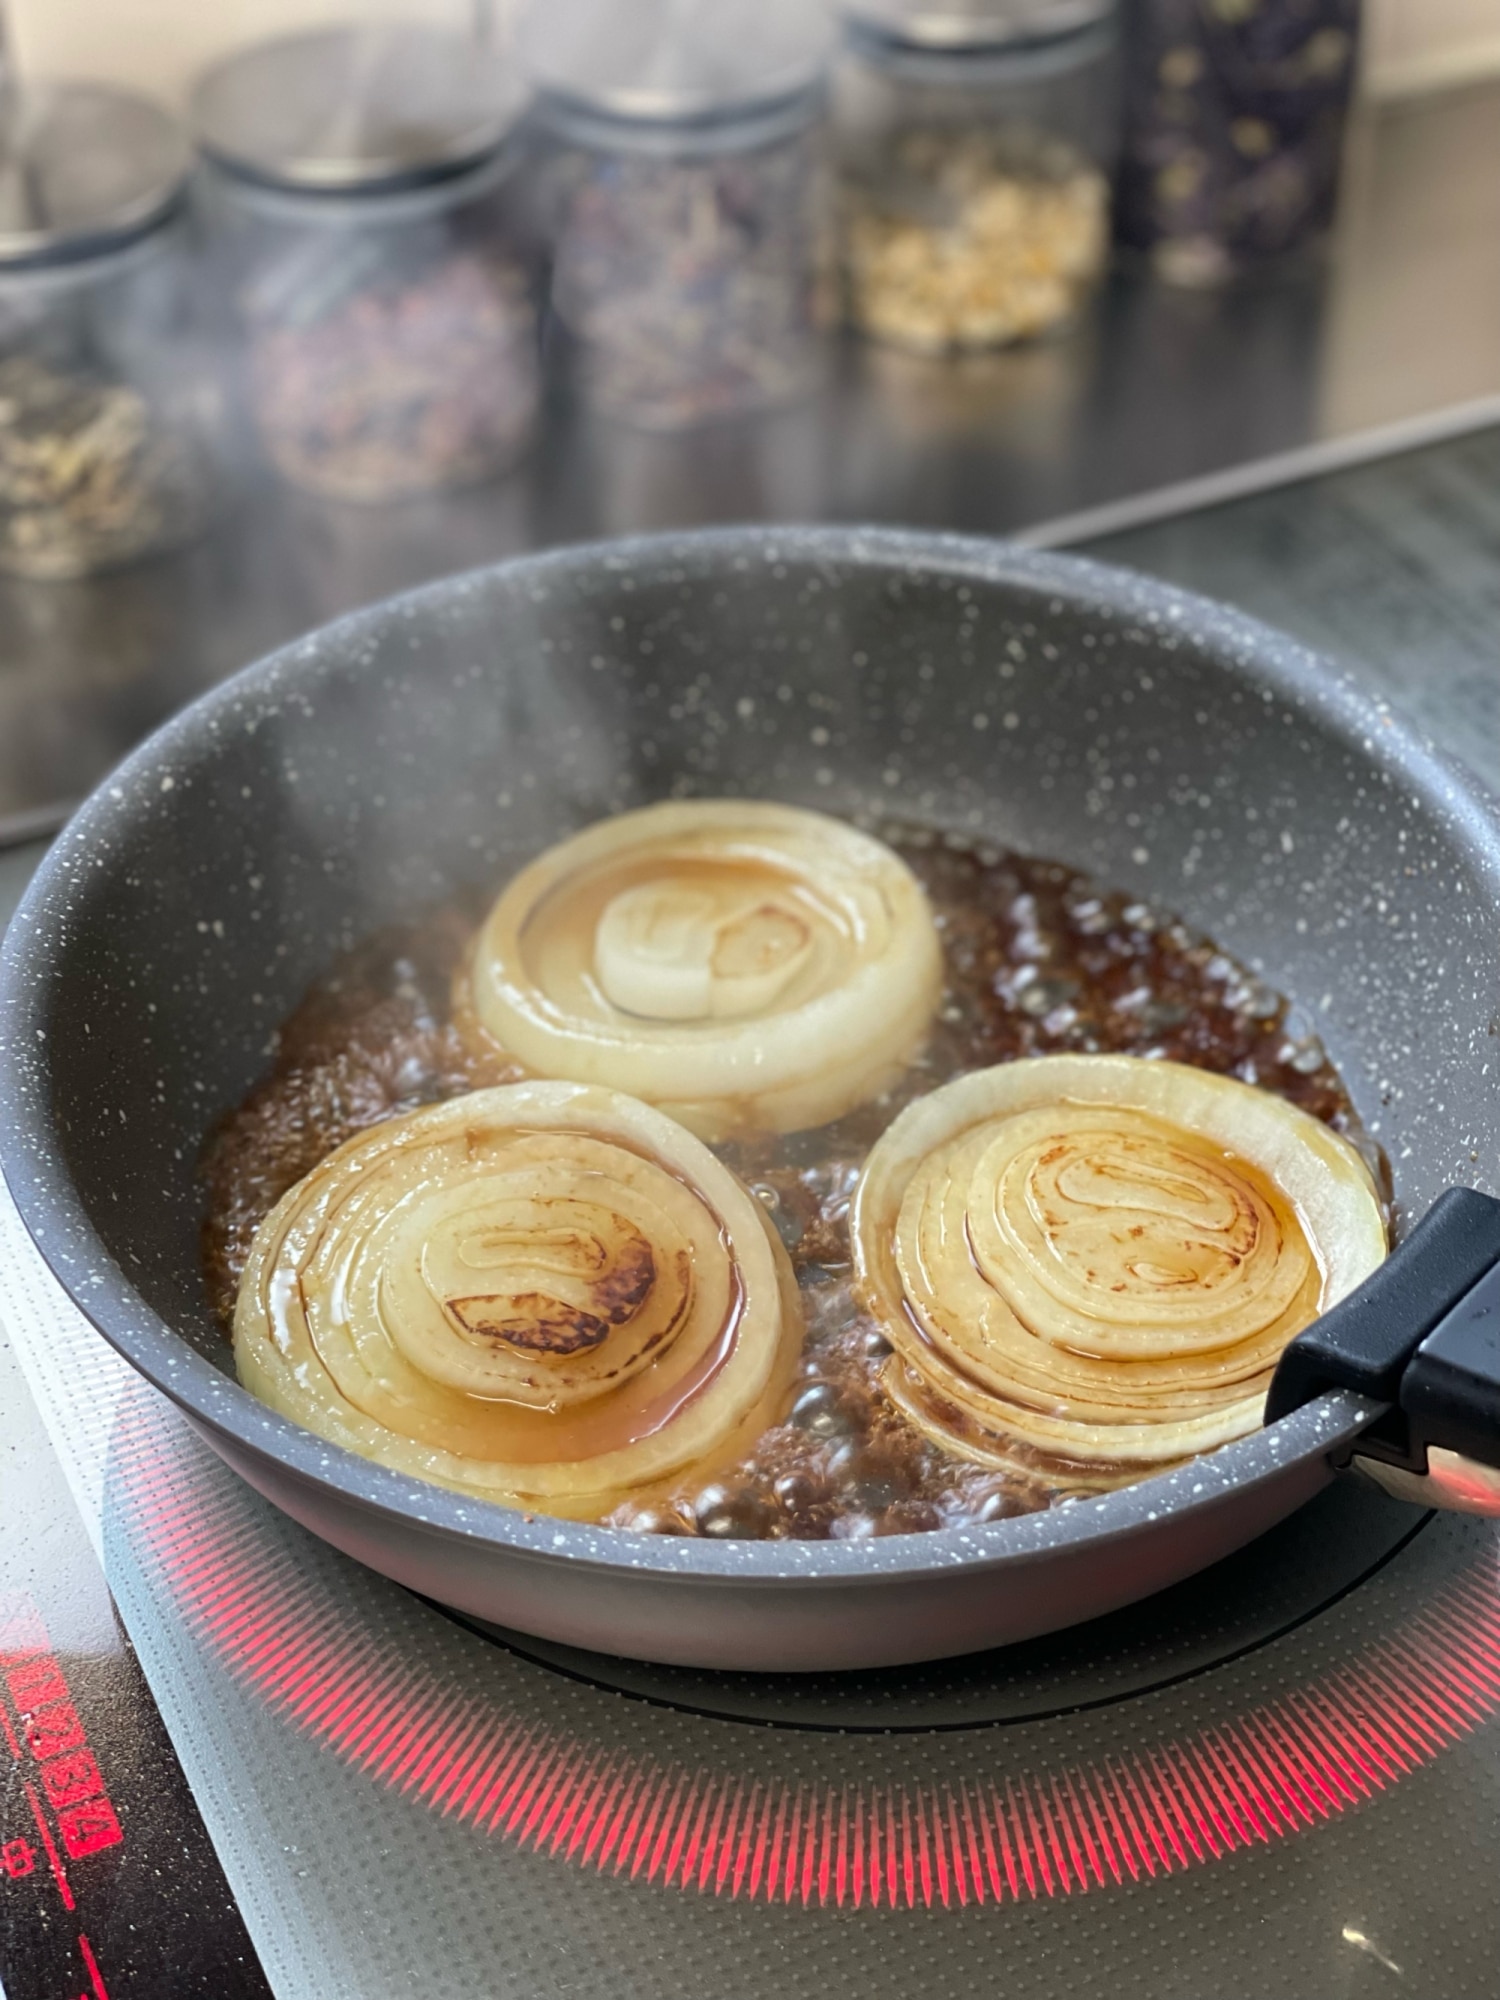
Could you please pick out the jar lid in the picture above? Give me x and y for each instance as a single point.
(973, 24)
(83, 169)
(675, 60)
(345, 110)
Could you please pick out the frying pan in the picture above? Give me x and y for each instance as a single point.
(1172, 747)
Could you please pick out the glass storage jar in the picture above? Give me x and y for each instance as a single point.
(360, 189)
(108, 412)
(686, 198)
(976, 141)
(1234, 132)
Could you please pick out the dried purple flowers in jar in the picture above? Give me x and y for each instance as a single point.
(1235, 130)
(686, 200)
(362, 195)
(372, 385)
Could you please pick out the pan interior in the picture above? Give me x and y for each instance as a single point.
(1174, 750)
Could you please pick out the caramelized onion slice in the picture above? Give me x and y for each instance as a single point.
(545, 1294)
(968, 1435)
(1098, 1259)
(742, 965)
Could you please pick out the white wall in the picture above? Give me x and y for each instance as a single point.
(1424, 44)
(1412, 44)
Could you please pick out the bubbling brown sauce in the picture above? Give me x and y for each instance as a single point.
(1039, 960)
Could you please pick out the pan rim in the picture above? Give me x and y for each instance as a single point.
(58, 1222)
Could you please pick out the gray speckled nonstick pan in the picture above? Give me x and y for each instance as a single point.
(1171, 747)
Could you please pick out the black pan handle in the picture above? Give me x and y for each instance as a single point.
(1422, 1337)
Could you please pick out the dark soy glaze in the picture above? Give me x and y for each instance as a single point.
(1039, 961)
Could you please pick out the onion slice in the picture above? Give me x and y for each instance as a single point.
(745, 966)
(1092, 1263)
(545, 1294)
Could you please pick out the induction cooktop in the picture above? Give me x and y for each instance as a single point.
(232, 1762)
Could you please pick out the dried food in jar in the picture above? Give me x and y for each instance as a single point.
(695, 287)
(1235, 131)
(371, 384)
(971, 239)
(91, 475)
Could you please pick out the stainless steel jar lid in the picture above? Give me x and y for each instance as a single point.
(353, 110)
(83, 169)
(674, 61)
(973, 24)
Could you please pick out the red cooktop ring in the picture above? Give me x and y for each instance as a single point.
(990, 1834)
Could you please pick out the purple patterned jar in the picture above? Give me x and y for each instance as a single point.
(1235, 128)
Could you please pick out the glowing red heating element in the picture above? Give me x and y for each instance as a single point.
(45, 1738)
(43, 1732)
(985, 1837)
